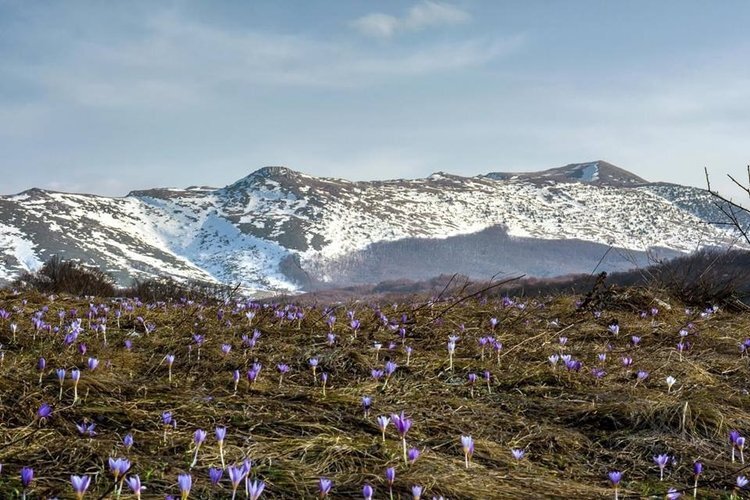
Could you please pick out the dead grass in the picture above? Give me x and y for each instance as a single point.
(573, 427)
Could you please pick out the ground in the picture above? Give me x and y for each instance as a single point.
(574, 426)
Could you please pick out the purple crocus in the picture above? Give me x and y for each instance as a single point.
(740, 444)
(283, 370)
(416, 492)
(215, 475)
(697, 471)
(92, 363)
(41, 364)
(221, 433)
(467, 443)
(313, 362)
(169, 358)
(518, 453)
(383, 422)
(402, 424)
(134, 482)
(84, 429)
(255, 489)
(412, 455)
(324, 487)
(661, 460)
(80, 485)
(366, 405)
(236, 475)
(27, 476)
(75, 375)
(198, 437)
(119, 467)
(390, 368)
(44, 412)
(367, 492)
(615, 477)
(185, 483)
(128, 441)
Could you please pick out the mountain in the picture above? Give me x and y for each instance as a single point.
(282, 230)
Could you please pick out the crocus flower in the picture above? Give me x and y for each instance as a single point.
(75, 375)
(740, 443)
(236, 475)
(697, 471)
(416, 492)
(518, 453)
(641, 376)
(128, 441)
(119, 467)
(740, 484)
(169, 358)
(670, 382)
(367, 492)
(27, 476)
(390, 367)
(283, 369)
(451, 351)
(672, 494)
(313, 362)
(324, 487)
(221, 433)
(402, 425)
(85, 428)
(661, 461)
(92, 363)
(40, 366)
(215, 475)
(467, 443)
(198, 437)
(413, 455)
(44, 412)
(383, 422)
(255, 489)
(733, 435)
(366, 404)
(185, 483)
(615, 477)
(134, 482)
(80, 485)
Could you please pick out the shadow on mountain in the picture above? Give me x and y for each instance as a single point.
(479, 255)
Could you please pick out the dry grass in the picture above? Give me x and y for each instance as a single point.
(573, 427)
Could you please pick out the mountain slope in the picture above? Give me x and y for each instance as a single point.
(278, 229)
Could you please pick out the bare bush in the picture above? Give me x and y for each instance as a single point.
(66, 276)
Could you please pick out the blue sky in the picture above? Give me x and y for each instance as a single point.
(106, 97)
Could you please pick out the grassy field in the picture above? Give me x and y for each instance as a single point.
(574, 423)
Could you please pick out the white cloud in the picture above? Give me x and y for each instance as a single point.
(425, 14)
(176, 62)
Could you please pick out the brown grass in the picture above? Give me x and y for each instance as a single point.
(574, 428)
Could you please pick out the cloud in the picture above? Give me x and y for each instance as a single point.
(426, 14)
(176, 62)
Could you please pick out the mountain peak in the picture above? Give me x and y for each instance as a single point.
(597, 172)
(274, 171)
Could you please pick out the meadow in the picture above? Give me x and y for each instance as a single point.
(632, 395)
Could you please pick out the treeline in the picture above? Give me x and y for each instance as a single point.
(703, 278)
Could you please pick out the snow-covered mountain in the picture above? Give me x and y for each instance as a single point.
(278, 229)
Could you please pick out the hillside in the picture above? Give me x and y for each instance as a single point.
(605, 408)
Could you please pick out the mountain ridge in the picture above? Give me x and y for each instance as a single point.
(278, 229)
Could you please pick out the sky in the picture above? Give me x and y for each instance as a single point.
(107, 97)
